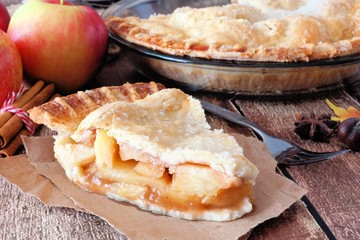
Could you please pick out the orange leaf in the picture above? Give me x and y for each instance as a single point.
(342, 113)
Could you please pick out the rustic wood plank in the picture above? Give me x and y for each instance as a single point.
(219, 123)
(333, 185)
(23, 216)
(294, 223)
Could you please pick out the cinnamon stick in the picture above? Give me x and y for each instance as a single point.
(14, 145)
(9, 130)
(21, 101)
(16, 142)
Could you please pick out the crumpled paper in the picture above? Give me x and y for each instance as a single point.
(39, 173)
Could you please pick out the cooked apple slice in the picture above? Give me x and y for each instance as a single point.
(149, 170)
(106, 149)
(195, 182)
(84, 156)
(122, 171)
(129, 191)
(228, 197)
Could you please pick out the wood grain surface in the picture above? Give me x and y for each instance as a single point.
(330, 210)
(335, 202)
(22, 216)
(333, 185)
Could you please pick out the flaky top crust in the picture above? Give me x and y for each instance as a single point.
(64, 114)
(170, 126)
(257, 30)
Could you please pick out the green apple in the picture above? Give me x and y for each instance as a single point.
(60, 43)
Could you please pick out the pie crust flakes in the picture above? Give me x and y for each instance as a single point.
(156, 152)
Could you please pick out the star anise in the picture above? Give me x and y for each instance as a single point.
(307, 126)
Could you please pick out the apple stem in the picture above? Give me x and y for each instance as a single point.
(61, 2)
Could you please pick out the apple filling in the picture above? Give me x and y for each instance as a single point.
(186, 187)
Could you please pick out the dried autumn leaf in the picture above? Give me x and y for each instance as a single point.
(341, 113)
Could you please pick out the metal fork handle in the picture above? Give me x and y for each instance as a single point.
(234, 117)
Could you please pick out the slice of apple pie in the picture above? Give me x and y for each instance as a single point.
(159, 154)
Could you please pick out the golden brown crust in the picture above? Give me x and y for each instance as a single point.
(250, 30)
(64, 114)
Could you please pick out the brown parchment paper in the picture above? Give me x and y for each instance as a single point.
(39, 174)
(19, 171)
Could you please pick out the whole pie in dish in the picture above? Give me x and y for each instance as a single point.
(154, 150)
(257, 30)
(249, 46)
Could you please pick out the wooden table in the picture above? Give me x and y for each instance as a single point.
(330, 210)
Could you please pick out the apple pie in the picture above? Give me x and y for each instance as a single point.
(257, 30)
(155, 151)
(229, 48)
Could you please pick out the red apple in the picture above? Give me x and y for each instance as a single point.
(63, 44)
(10, 67)
(4, 17)
(55, 2)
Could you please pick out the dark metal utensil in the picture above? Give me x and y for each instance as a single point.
(284, 152)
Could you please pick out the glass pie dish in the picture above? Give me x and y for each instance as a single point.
(247, 77)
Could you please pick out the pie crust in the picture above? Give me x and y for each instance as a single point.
(156, 152)
(256, 30)
(64, 114)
